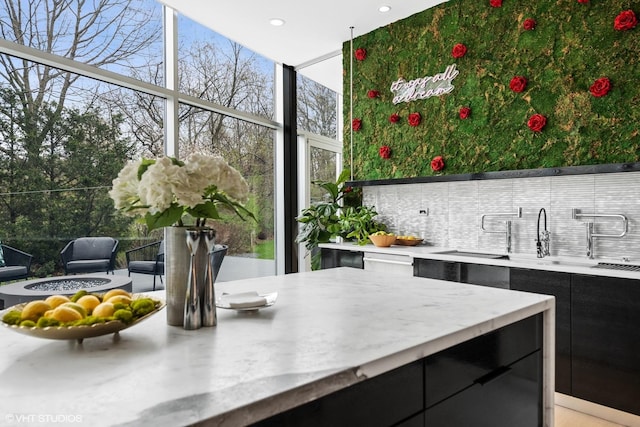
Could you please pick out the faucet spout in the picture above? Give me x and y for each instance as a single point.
(542, 243)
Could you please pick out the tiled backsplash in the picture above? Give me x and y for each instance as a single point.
(454, 210)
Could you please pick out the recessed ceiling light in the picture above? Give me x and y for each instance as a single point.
(276, 22)
(384, 9)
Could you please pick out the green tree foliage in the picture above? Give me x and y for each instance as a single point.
(58, 192)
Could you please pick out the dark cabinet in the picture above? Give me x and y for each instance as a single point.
(475, 274)
(332, 258)
(435, 269)
(558, 285)
(493, 380)
(605, 333)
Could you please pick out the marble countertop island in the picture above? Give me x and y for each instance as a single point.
(328, 330)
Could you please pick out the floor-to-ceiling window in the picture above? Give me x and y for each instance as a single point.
(83, 90)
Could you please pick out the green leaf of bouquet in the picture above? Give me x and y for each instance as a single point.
(167, 218)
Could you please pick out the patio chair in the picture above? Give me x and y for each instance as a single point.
(89, 255)
(147, 259)
(15, 264)
(219, 252)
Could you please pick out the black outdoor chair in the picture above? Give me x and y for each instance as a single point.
(147, 259)
(219, 252)
(17, 264)
(89, 255)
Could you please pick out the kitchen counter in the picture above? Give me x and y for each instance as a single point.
(328, 330)
(550, 263)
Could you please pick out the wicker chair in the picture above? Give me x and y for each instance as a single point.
(147, 259)
(89, 255)
(17, 264)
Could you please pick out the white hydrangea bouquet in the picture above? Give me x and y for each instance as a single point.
(165, 191)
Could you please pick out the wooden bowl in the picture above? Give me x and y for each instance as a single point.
(382, 241)
(408, 242)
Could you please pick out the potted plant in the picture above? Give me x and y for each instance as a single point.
(335, 216)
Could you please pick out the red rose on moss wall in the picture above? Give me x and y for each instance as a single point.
(537, 122)
(414, 119)
(495, 3)
(459, 50)
(437, 164)
(464, 112)
(626, 20)
(583, 1)
(373, 94)
(518, 83)
(394, 118)
(356, 124)
(529, 24)
(361, 54)
(600, 87)
(385, 152)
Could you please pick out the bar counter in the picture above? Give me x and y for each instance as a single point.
(327, 331)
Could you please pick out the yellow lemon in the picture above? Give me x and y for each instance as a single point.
(34, 309)
(65, 313)
(104, 309)
(113, 292)
(89, 302)
(123, 299)
(56, 300)
(75, 306)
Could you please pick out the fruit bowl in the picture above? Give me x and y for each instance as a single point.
(382, 240)
(412, 241)
(77, 332)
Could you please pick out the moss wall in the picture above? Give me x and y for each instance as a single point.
(572, 45)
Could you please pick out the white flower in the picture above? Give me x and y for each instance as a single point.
(125, 189)
(173, 188)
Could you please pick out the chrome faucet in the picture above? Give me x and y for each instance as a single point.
(507, 225)
(542, 243)
(591, 234)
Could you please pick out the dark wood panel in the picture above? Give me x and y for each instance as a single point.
(452, 370)
(385, 400)
(606, 341)
(522, 173)
(511, 396)
(558, 285)
(436, 269)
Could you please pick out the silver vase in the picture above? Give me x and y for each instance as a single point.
(177, 262)
(208, 307)
(192, 313)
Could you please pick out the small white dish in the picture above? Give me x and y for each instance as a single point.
(246, 301)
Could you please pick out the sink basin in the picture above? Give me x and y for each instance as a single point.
(475, 254)
(612, 266)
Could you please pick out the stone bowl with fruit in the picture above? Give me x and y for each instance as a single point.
(382, 239)
(408, 240)
(83, 315)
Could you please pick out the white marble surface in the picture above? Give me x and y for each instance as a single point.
(327, 330)
(561, 264)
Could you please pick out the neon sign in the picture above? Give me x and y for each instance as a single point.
(425, 87)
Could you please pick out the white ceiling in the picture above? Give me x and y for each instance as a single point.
(311, 38)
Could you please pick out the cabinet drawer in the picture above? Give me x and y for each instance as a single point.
(399, 264)
(454, 369)
(484, 401)
(435, 269)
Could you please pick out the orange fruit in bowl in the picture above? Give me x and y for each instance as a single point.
(75, 306)
(104, 309)
(65, 313)
(56, 300)
(113, 292)
(123, 299)
(89, 302)
(34, 310)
